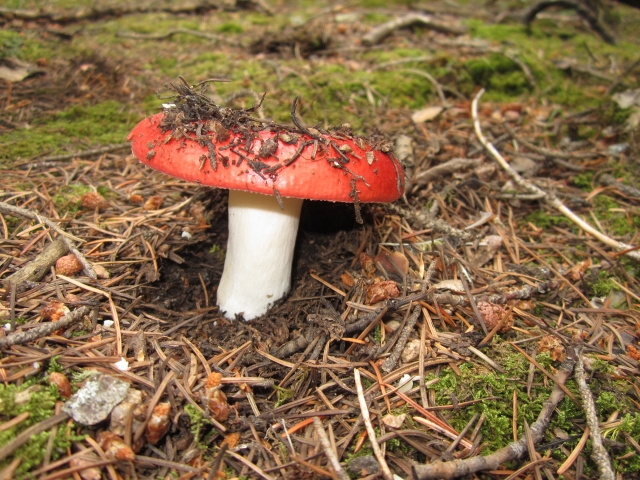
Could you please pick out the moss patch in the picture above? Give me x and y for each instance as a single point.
(75, 128)
(39, 401)
(478, 382)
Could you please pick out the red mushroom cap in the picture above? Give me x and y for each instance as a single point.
(326, 167)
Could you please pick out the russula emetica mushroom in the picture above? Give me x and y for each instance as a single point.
(269, 170)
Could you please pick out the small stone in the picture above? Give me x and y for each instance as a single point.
(364, 466)
(426, 114)
(394, 421)
(393, 325)
(101, 272)
(131, 405)
(95, 400)
(411, 351)
(511, 116)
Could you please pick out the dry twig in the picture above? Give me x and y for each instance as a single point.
(513, 451)
(43, 330)
(23, 212)
(328, 449)
(550, 198)
(386, 472)
(599, 453)
(376, 35)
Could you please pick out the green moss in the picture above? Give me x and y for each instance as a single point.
(497, 73)
(349, 456)
(283, 395)
(40, 404)
(602, 286)
(615, 218)
(628, 425)
(69, 197)
(478, 382)
(10, 44)
(104, 191)
(611, 114)
(54, 366)
(230, 27)
(584, 181)
(198, 422)
(542, 219)
(377, 335)
(99, 124)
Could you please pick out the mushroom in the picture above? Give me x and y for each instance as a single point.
(269, 170)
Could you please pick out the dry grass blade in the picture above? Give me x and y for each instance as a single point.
(328, 449)
(551, 199)
(364, 410)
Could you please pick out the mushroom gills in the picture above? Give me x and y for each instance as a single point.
(257, 267)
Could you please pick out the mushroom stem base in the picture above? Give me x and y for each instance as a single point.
(257, 267)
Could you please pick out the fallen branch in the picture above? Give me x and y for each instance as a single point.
(20, 338)
(426, 220)
(37, 268)
(549, 197)
(169, 34)
(133, 8)
(66, 237)
(599, 453)
(580, 9)
(627, 190)
(376, 35)
(513, 451)
(391, 361)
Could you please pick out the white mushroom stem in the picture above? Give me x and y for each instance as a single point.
(257, 267)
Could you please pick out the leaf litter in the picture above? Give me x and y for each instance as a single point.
(469, 271)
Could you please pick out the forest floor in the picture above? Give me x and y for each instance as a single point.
(486, 324)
